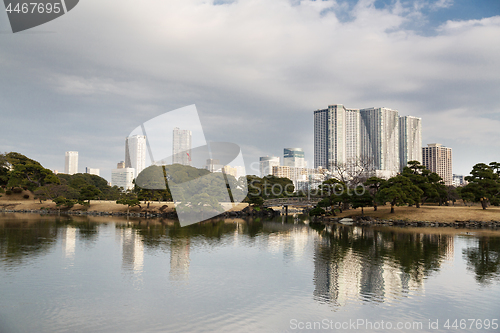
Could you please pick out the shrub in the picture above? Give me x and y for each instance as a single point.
(17, 190)
(26, 196)
(8, 192)
(316, 211)
(25, 188)
(2, 190)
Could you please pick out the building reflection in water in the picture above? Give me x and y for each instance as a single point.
(132, 250)
(179, 259)
(352, 263)
(69, 241)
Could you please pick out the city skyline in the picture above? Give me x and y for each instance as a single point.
(374, 137)
(435, 61)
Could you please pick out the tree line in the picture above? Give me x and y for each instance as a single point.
(416, 185)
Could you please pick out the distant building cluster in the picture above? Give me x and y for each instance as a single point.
(294, 168)
(71, 165)
(377, 135)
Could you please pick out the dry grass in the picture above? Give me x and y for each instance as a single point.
(16, 201)
(430, 213)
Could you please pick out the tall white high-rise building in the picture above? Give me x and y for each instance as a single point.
(353, 134)
(438, 159)
(181, 147)
(371, 135)
(380, 139)
(410, 140)
(294, 157)
(267, 163)
(71, 162)
(330, 136)
(123, 177)
(135, 153)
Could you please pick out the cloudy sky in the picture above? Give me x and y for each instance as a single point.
(256, 70)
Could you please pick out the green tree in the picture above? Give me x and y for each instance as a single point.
(361, 199)
(429, 182)
(399, 191)
(316, 211)
(4, 170)
(52, 191)
(89, 192)
(63, 202)
(335, 194)
(374, 184)
(130, 200)
(31, 175)
(484, 185)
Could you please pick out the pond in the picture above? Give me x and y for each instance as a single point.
(96, 274)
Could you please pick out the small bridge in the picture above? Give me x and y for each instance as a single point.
(298, 202)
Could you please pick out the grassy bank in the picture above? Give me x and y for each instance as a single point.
(18, 202)
(430, 213)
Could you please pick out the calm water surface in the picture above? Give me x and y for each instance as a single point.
(111, 275)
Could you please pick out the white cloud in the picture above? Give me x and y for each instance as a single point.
(262, 62)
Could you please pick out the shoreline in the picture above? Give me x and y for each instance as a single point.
(426, 216)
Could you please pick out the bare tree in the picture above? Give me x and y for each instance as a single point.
(353, 171)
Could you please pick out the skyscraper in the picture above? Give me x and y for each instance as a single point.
(366, 138)
(410, 140)
(329, 136)
(353, 134)
(380, 139)
(267, 163)
(123, 177)
(438, 159)
(71, 162)
(181, 147)
(135, 153)
(294, 157)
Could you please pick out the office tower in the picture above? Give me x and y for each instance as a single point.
(120, 165)
(294, 157)
(135, 153)
(410, 140)
(353, 135)
(267, 163)
(330, 136)
(458, 180)
(92, 171)
(181, 149)
(380, 139)
(367, 139)
(71, 163)
(123, 177)
(438, 159)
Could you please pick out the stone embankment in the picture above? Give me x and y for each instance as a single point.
(370, 221)
(247, 212)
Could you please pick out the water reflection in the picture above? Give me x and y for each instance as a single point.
(179, 259)
(375, 265)
(483, 258)
(132, 250)
(61, 274)
(68, 236)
